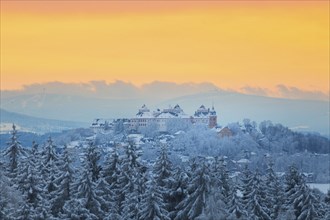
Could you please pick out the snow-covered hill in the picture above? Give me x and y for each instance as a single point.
(34, 124)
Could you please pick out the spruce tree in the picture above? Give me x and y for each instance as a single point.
(327, 197)
(75, 209)
(11, 200)
(221, 179)
(133, 192)
(104, 194)
(163, 168)
(111, 167)
(235, 207)
(86, 194)
(111, 173)
(247, 186)
(293, 180)
(130, 167)
(163, 174)
(49, 169)
(177, 190)
(64, 182)
(14, 152)
(153, 206)
(29, 182)
(48, 153)
(199, 188)
(257, 200)
(92, 159)
(274, 192)
(305, 204)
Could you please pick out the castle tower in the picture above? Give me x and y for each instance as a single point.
(212, 118)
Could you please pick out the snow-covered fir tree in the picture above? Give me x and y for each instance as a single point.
(29, 181)
(257, 200)
(48, 153)
(75, 209)
(130, 167)
(152, 205)
(134, 191)
(246, 186)
(103, 191)
(305, 204)
(13, 152)
(93, 156)
(293, 180)
(163, 173)
(49, 159)
(111, 173)
(274, 192)
(177, 190)
(11, 199)
(64, 182)
(235, 207)
(130, 205)
(111, 167)
(199, 188)
(86, 194)
(327, 198)
(221, 179)
(163, 168)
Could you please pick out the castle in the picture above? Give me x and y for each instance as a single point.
(160, 119)
(145, 117)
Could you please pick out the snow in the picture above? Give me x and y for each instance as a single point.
(184, 158)
(8, 127)
(145, 115)
(170, 115)
(243, 161)
(180, 132)
(73, 144)
(136, 138)
(323, 187)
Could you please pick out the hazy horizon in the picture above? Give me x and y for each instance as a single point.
(101, 88)
(297, 109)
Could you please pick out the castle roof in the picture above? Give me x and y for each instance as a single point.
(176, 112)
(203, 112)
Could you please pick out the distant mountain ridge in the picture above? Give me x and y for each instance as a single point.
(35, 124)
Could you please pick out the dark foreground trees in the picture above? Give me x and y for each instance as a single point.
(52, 183)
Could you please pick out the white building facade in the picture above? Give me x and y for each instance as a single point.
(160, 119)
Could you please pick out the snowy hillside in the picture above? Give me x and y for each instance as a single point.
(34, 124)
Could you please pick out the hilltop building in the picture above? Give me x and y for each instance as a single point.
(145, 117)
(158, 118)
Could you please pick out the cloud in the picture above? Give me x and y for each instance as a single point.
(255, 91)
(296, 93)
(287, 92)
(156, 90)
(115, 90)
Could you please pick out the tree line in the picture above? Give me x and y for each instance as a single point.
(46, 183)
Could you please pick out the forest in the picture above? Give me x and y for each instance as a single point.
(52, 182)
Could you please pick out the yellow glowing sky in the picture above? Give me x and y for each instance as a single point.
(229, 44)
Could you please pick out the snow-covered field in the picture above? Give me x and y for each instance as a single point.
(8, 127)
(323, 187)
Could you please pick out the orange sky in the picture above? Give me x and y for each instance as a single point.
(231, 44)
